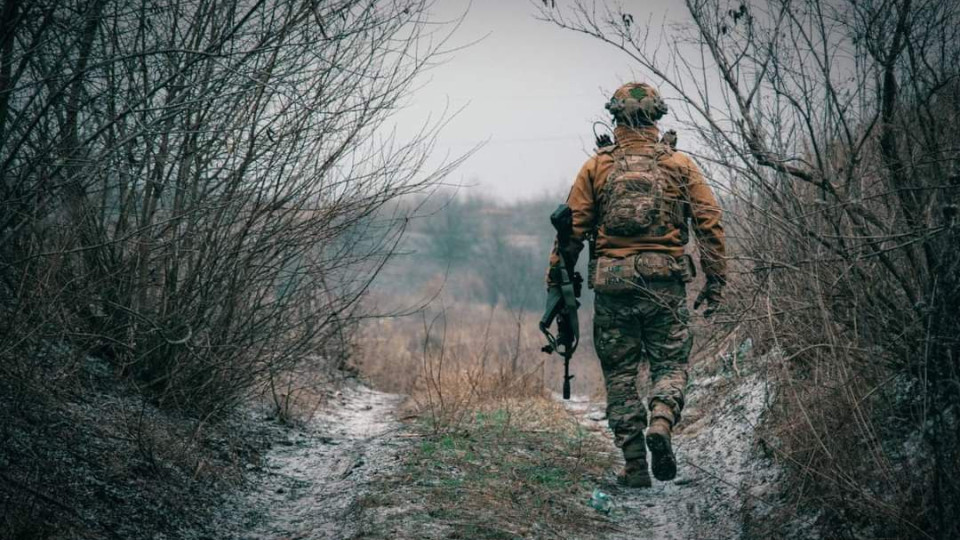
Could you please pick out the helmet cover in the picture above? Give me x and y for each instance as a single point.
(636, 104)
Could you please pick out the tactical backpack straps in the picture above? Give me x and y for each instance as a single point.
(667, 149)
(608, 149)
(662, 149)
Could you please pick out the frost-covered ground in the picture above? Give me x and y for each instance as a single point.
(310, 484)
(724, 486)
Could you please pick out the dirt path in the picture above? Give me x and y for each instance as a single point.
(311, 483)
(722, 479)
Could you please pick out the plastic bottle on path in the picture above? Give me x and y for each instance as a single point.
(601, 502)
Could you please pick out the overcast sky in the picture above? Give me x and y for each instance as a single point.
(528, 88)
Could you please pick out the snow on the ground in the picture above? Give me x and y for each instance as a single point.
(722, 478)
(312, 481)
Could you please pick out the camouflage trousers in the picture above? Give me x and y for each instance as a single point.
(650, 325)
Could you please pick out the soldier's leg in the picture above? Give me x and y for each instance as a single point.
(617, 341)
(668, 340)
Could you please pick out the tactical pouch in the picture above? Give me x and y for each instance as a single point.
(631, 273)
(688, 270)
(614, 275)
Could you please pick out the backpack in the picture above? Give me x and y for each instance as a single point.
(631, 200)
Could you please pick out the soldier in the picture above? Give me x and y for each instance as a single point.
(635, 198)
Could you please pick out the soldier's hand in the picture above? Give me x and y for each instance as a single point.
(711, 295)
(712, 305)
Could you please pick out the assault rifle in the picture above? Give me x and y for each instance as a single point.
(562, 295)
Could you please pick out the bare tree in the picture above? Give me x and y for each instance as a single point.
(192, 190)
(830, 128)
(194, 184)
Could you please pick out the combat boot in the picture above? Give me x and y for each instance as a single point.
(661, 452)
(635, 474)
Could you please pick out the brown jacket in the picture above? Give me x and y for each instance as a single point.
(687, 195)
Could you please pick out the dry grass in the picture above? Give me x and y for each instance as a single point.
(476, 341)
(497, 456)
(498, 459)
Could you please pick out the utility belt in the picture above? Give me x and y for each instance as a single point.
(617, 275)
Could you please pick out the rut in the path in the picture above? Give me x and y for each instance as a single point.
(312, 481)
(722, 479)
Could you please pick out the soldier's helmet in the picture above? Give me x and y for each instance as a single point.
(636, 104)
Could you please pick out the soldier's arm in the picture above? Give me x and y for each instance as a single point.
(705, 214)
(581, 202)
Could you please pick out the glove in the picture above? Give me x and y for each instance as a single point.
(711, 295)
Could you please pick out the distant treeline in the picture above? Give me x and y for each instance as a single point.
(475, 249)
